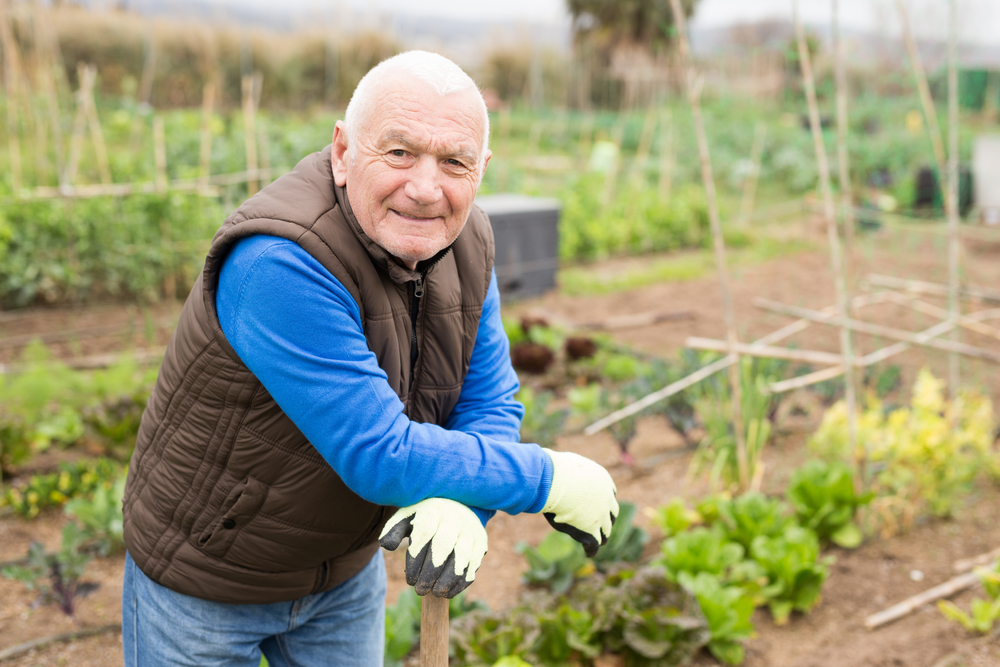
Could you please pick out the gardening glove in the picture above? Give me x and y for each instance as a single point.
(447, 545)
(582, 500)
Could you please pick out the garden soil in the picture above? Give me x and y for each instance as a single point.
(883, 571)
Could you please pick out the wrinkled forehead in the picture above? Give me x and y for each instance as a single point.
(409, 104)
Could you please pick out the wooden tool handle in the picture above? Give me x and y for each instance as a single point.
(433, 631)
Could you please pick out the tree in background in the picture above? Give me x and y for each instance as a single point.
(622, 48)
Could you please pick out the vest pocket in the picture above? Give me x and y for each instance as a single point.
(239, 508)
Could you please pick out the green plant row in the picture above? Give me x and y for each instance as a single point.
(72, 482)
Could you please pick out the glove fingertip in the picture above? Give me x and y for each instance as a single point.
(392, 538)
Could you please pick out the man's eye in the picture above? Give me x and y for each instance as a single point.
(399, 152)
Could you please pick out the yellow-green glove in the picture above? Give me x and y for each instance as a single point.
(447, 545)
(582, 500)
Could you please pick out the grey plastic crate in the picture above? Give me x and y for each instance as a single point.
(526, 230)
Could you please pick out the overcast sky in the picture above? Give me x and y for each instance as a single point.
(979, 19)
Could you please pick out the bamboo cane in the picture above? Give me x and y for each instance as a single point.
(608, 192)
(144, 95)
(843, 168)
(666, 147)
(585, 140)
(969, 291)
(878, 330)
(750, 183)
(926, 102)
(160, 154)
(76, 139)
(433, 631)
(963, 321)
(765, 351)
(11, 94)
(954, 249)
(694, 94)
(249, 133)
(829, 210)
(96, 133)
(45, 66)
(907, 606)
(205, 151)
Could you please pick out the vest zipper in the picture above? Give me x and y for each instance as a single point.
(418, 292)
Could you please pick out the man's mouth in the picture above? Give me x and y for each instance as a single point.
(416, 218)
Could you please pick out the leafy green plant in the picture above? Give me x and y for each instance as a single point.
(984, 612)
(727, 610)
(402, 627)
(701, 549)
(794, 570)
(923, 457)
(750, 515)
(541, 423)
(55, 489)
(100, 515)
(56, 577)
(825, 501)
(675, 517)
(626, 542)
(555, 562)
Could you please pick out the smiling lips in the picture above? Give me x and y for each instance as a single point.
(407, 216)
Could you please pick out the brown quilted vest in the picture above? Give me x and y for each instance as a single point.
(226, 500)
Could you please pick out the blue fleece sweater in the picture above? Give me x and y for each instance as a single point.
(299, 331)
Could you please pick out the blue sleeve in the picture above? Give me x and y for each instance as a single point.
(486, 404)
(300, 332)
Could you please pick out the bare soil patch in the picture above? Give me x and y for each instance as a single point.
(862, 582)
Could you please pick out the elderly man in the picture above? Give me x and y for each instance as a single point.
(340, 356)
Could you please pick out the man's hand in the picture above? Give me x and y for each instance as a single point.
(447, 545)
(582, 500)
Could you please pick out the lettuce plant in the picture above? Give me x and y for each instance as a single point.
(825, 501)
(794, 570)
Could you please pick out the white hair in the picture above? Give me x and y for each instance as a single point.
(441, 74)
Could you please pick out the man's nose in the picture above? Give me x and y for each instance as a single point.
(423, 185)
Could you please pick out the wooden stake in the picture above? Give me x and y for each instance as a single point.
(433, 631)
(160, 154)
(46, 65)
(844, 172)
(877, 330)
(930, 114)
(969, 291)
(11, 86)
(645, 145)
(205, 152)
(585, 140)
(765, 351)
(249, 131)
(79, 120)
(611, 178)
(829, 210)
(694, 94)
(96, 133)
(750, 183)
(954, 248)
(666, 148)
(969, 323)
(144, 95)
(909, 605)
(966, 564)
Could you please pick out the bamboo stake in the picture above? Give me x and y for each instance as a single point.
(907, 606)
(11, 94)
(46, 65)
(867, 360)
(611, 178)
(160, 154)
(96, 133)
(585, 138)
(205, 152)
(249, 133)
(877, 330)
(125, 189)
(829, 210)
(645, 145)
(844, 172)
(966, 564)
(765, 351)
(954, 250)
(76, 140)
(969, 291)
(966, 322)
(666, 156)
(693, 379)
(26, 647)
(750, 183)
(144, 95)
(926, 102)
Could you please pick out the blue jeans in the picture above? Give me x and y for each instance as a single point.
(344, 626)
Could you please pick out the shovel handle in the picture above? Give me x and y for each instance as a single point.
(433, 631)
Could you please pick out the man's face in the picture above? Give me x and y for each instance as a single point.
(415, 169)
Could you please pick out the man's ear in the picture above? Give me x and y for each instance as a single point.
(486, 161)
(338, 154)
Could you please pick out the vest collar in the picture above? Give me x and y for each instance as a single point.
(398, 273)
